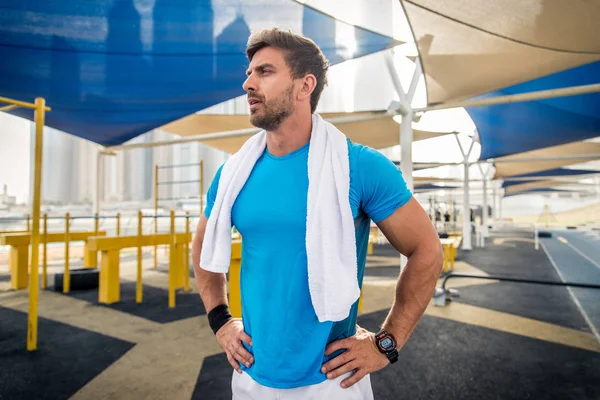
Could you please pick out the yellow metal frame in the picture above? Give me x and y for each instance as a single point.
(19, 243)
(235, 297)
(155, 213)
(138, 285)
(118, 224)
(45, 254)
(39, 117)
(67, 274)
(110, 247)
(450, 245)
(186, 263)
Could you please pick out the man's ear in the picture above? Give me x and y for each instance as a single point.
(308, 85)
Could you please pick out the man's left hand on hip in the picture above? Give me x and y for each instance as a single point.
(361, 356)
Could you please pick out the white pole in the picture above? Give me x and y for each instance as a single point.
(466, 243)
(406, 164)
(484, 219)
(484, 214)
(466, 210)
(537, 240)
(406, 140)
(98, 192)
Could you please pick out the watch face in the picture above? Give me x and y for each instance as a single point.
(386, 343)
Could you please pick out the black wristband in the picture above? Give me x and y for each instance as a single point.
(219, 316)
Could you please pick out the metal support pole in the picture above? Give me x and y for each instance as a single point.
(99, 179)
(28, 222)
(96, 223)
(414, 81)
(186, 263)
(466, 242)
(484, 214)
(138, 291)
(118, 224)
(406, 140)
(67, 274)
(404, 103)
(406, 131)
(32, 316)
(45, 254)
(155, 214)
(515, 98)
(172, 262)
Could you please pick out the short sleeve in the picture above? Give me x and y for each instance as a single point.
(384, 189)
(211, 195)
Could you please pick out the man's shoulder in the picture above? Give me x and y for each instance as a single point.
(361, 155)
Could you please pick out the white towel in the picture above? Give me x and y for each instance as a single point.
(330, 232)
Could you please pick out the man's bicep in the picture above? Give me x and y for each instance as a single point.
(408, 228)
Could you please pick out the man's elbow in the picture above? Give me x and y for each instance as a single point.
(434, 255)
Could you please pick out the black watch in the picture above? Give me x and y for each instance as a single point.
(386, 343)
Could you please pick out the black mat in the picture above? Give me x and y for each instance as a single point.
(66, 360)
(214, 379)
(450, 360)
(155, 305)
(551, 304)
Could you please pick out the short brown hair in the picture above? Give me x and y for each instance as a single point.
(302, 56)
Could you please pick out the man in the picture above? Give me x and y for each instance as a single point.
(279, 348)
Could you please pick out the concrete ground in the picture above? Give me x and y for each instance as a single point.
(497, 340)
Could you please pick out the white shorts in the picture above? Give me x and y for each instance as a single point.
(246, 388)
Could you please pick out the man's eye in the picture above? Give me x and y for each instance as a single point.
(266, 71)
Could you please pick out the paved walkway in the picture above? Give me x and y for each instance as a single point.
(495, 341)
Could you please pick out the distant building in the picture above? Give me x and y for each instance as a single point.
(6, 199)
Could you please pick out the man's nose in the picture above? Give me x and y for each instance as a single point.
(249, 84)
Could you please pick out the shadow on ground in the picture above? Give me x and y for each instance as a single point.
(66, 360)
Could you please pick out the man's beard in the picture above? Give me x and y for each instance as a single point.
(274, 111)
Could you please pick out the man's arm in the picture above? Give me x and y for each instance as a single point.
(409, 230)
(212, 287)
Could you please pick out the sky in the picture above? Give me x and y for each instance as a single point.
(15, 141)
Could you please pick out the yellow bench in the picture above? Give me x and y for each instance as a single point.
(109, 290)
(450, 246)
(235, 297)
(19, 252)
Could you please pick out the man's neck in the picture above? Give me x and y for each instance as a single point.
(292, 134)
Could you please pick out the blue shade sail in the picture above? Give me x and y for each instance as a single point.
(519, 127)
(558, 172)
(112, 70)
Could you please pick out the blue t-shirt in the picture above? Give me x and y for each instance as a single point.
(270, 213)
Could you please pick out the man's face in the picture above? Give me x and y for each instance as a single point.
(270, 88)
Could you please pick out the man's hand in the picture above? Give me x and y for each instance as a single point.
(230, 337)
(361, 356)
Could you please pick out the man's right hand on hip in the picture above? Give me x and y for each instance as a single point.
(230, 337)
